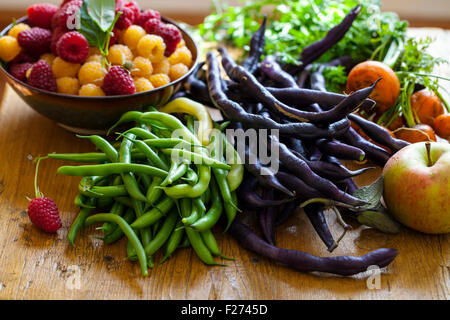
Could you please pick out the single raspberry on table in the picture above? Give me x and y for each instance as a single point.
(170, 34)
(146, 15)
(44, 213)
(40, 15)
(41, 77)
(73, 47)
(35, 41)
(19, 70)
(126, 19)
(118, 81)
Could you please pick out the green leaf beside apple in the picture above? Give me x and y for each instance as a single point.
(415, 188)
(380, 220)
(371, 194)
(374, 214)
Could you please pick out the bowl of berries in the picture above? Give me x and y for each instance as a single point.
(85, 63)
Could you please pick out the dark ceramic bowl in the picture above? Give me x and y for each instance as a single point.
(94, 114)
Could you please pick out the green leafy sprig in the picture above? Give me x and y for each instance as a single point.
(96, 22)
(293, 25)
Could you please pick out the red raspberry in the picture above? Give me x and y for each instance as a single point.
(40, 15)
(119, 4)
(153, 26)
(44, 213)
(23, 57)
(73, 47)
(115, 37)
(134, 7)
(126, 19)
(172, 37)
(57, 33)
(170, 34)
(55, 20)
(118, 81)
(36, 41)
(143, 17)
(65, 17)
(19, 70)
(41, 76)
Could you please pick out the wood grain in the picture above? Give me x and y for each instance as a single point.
(35, 265)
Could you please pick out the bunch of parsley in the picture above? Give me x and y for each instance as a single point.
(292, 25)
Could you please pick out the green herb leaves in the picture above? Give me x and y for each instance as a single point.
(90, 29)
(380, 220)
(102, 12)
(374, 214)
(292, 25)
(371, 194)
(97, 20)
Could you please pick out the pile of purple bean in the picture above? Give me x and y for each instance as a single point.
(315, 135)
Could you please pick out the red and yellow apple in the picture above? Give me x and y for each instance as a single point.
(417, 187)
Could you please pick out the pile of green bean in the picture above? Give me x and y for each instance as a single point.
(137, 188)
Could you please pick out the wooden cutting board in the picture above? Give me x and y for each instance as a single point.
(35, 265)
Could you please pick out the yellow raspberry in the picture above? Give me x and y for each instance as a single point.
(159, 80)
(162, 66)
(142, 67)
(94, 51)
(49, 57)
(9, 48)
(92, 72)
(62, 68)
(152, 47)
(177, 71)
(132, 36)
(14, 31)
(95, 57)
(181, 55)
(119, 54)
(143, 84)
(91, 90)
(68, 85)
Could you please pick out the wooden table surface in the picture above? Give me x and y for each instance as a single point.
(35, 265)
